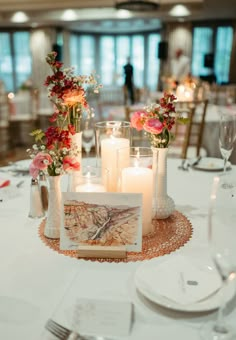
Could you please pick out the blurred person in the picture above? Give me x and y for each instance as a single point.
(180, 66)
(128, 85)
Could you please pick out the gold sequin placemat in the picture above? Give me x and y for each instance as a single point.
(169, 234)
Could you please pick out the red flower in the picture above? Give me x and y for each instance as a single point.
(70, 163)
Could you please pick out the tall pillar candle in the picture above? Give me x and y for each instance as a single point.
(109, 147)
(140, 180)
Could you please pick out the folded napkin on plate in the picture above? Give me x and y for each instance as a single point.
(4, 183)
(180, 280)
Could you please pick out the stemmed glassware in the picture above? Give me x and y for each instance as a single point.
(221, 237)
(88, 135)
(227, 133)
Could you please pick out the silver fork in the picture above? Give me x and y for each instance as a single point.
(61, 332)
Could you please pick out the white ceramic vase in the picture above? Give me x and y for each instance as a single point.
(163, 205)
(53, 222)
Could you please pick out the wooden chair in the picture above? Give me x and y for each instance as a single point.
(188, 137)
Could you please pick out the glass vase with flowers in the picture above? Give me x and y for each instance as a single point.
(54, 154)
(58, 149)
(68, 94)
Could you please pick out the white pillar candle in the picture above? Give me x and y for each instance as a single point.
(90, 187)
(140, 180)
(109, 147)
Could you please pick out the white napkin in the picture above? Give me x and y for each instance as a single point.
(179, 280)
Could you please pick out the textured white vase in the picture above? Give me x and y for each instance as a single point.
(53, 222)
(73, 177)
(163, 205)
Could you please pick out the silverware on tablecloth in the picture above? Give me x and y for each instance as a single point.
(197, 161)
(59, 331)
(63, 333)
(19, 184)
(184, 165)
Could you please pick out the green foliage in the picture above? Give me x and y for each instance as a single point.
(38, 135)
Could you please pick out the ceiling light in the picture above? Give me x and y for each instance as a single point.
(137, 5)
(19, 17)
(179, 11)
(69, 15)
(123, 14)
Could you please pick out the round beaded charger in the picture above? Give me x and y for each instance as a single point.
(168, 235)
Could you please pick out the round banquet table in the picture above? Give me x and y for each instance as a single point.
(34, 278)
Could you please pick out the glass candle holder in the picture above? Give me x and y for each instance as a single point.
(111, 136)
(135, 175)
(92, 179)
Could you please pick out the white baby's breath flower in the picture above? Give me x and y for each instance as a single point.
(57, 171)
(35, 147)
(43, 147)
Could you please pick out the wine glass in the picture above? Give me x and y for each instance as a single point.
(221, 237)
(88, 136)
(227, 133)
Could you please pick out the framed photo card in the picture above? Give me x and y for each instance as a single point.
(101, 219)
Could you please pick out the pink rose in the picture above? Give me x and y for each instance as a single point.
(42, 160)
(154, 126)
(70, 163)
(137, 120)
(33, 170)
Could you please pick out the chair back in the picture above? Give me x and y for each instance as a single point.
(189, 135)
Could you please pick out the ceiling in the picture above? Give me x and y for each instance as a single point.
(101, 15)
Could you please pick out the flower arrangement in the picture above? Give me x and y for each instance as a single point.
(68, 93)
(54, 153)
(157, 120)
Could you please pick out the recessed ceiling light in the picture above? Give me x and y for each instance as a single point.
(123, 14)
(19, 17)
(179, 11)
(69, 15)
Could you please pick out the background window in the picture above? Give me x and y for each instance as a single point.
(107, 60)
(22, 58)
(224, 40)
(153, 64)
(15, 59)
(216, 41)
(6, 70)
(202, 45)
(107, 54)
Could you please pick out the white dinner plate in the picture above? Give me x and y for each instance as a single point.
(210, 303)
(211, 164)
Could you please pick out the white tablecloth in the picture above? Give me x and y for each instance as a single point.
(35, 277)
